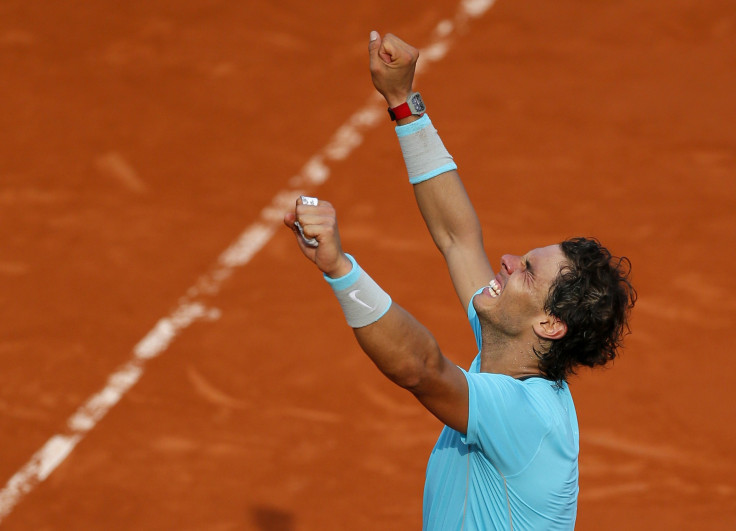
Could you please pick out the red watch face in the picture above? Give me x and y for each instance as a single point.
(418, 103)
(413, 105)
(402, 111)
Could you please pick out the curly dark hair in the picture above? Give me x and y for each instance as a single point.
(593, 296)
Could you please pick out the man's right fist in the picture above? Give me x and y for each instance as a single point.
(392, 64)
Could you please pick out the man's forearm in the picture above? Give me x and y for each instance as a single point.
(448, 212)
(442, 200)
(440, 194)
(445, 207)
(400, 346)
(397, 343)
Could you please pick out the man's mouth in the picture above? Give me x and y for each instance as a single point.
(495, 288)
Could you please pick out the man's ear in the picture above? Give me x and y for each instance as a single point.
(550, 328)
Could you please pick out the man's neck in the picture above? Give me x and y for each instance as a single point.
(514, 357)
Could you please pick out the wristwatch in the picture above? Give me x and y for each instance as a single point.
(414, 105)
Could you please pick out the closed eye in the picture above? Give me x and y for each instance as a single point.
(528, 266)
(528, 269)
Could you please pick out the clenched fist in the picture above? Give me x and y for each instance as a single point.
(392, 64)
(319, 221)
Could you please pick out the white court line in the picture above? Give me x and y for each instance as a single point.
(191, 307)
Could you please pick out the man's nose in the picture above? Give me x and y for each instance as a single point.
(510, 262)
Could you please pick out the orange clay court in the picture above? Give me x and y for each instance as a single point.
(141, 141)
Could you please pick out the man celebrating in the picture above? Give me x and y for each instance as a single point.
(508, 455)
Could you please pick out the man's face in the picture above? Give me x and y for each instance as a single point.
(514, 300)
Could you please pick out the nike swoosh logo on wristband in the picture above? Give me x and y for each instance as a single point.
(354, 296)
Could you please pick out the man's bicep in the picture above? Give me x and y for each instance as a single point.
(469, 270)
(444, 392)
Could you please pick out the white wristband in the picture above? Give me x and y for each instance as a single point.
(424, 153)
(363, 301)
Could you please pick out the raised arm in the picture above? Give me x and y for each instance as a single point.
(398, 344)
(440, 194)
